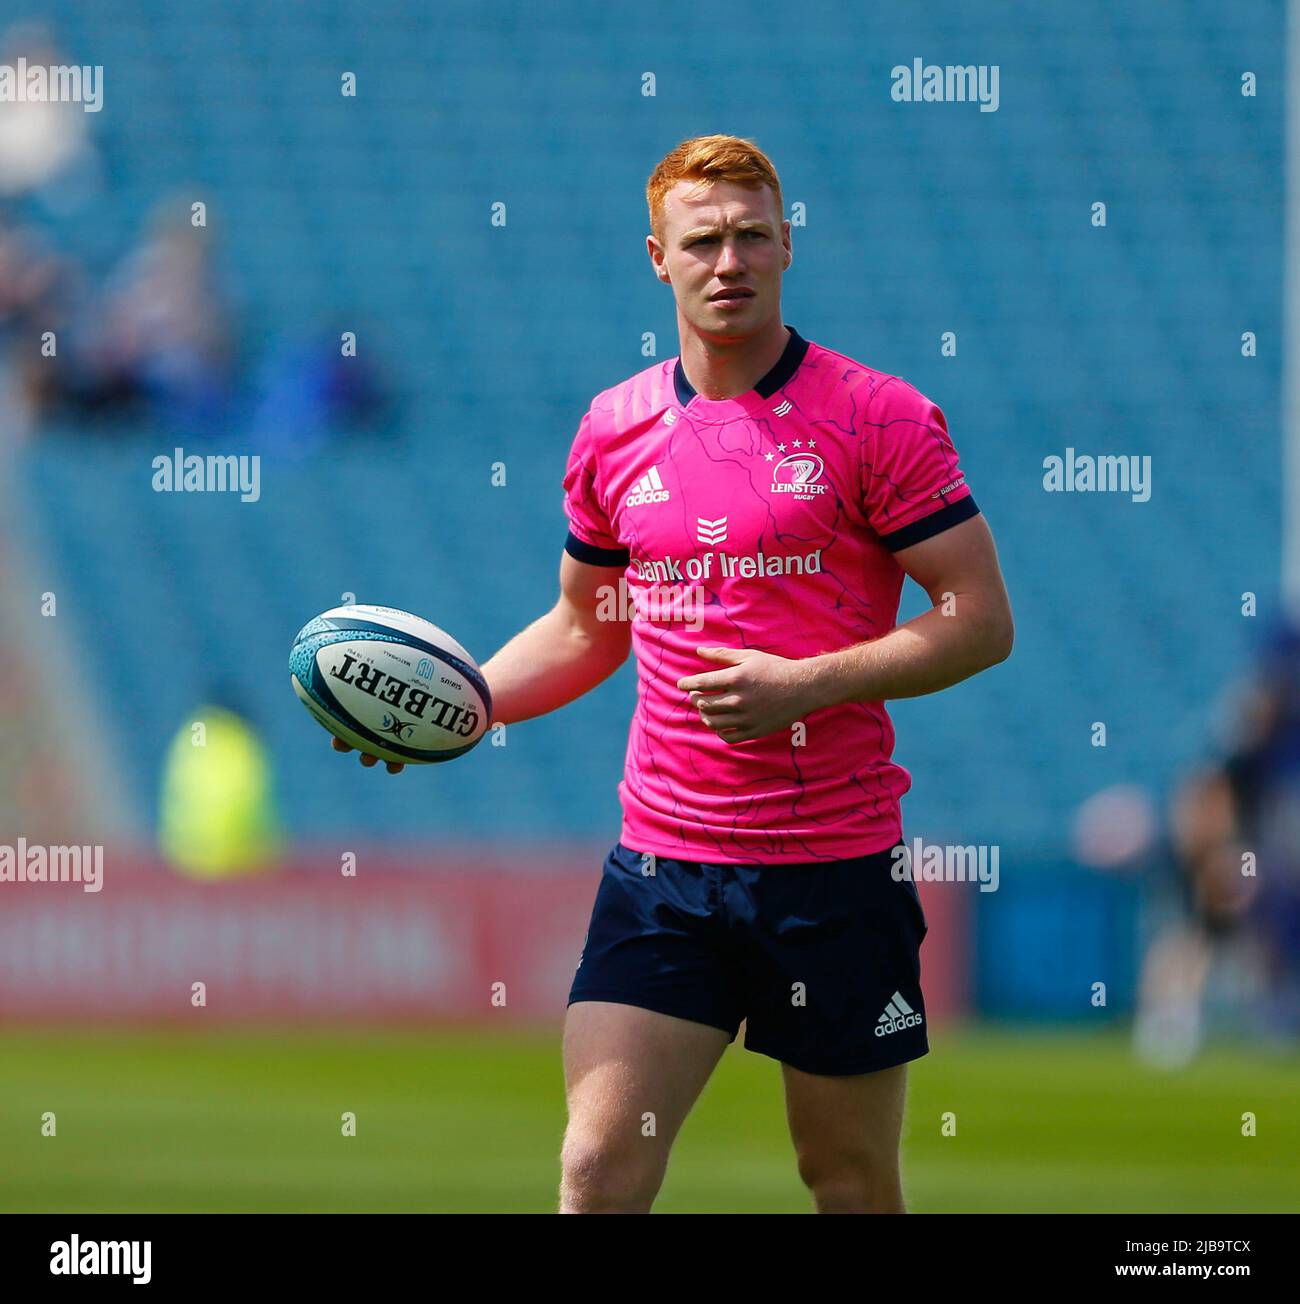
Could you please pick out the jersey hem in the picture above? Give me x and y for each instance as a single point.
(711, 856)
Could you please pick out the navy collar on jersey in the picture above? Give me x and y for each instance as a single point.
(785, 367)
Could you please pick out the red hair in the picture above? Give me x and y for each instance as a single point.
(708, 159)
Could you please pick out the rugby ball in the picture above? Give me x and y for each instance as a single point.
(391, 684)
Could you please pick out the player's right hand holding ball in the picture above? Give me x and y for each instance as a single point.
(435, 703)
(394, 767)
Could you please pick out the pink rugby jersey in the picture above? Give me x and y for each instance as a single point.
(767, 521)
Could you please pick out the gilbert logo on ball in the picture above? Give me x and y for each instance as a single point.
(390, 683)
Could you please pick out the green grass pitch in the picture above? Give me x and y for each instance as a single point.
(471, 1122)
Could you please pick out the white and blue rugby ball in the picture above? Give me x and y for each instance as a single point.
(391, 684)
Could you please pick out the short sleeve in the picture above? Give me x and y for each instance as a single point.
(913, 486)
(591, 536)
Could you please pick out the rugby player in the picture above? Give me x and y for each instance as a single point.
(777, 492)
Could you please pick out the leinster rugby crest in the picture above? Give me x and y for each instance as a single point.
(799, 474)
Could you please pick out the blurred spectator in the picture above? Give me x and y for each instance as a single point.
(158, 341)
(308, 393)
(217, 817)
(32, 282)
(1244, 803)
(162, 334)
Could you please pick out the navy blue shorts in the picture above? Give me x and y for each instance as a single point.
(821, 959)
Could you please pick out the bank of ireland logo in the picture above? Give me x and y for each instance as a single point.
(712, 532)
(798, 474)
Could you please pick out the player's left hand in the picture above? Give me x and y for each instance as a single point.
(754, 694)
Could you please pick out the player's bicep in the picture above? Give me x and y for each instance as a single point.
(591, 600)
(962, 560)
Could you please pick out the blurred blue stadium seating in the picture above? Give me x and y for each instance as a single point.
(920, 219)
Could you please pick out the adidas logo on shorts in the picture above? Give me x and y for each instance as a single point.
(649, 489)
(897, 1016)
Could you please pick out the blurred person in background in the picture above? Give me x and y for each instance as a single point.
(162, 334)
(1244, 804)
(306, 393)
(217, 816)
(32, 282)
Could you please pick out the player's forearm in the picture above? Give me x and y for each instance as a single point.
(547, 665)
(931, 652)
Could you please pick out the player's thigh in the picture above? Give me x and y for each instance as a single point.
(855, 1121)
(632, 1075)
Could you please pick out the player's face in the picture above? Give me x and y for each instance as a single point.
(724, 250)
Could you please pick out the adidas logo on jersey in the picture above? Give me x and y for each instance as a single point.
(649, 489)
(897, 1016)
